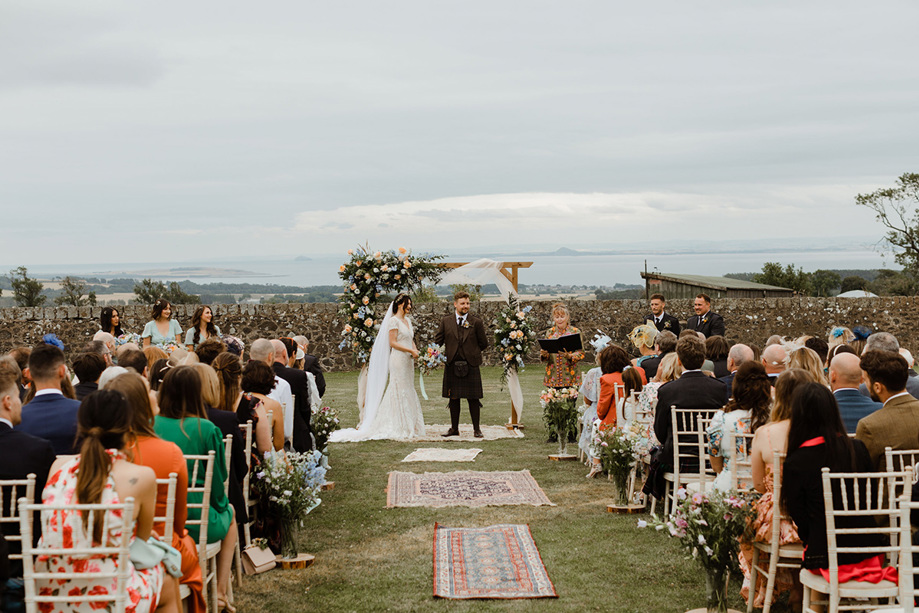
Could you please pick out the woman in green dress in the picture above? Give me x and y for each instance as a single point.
(183, 421)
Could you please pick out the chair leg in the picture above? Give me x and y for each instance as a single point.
(770, 581)
(238, 565)
(754, 576)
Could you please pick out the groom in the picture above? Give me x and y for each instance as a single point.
(464, 336)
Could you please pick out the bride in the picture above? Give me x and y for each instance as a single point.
(397, 415)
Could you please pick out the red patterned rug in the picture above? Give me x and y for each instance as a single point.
(495, 562)
(464, 489)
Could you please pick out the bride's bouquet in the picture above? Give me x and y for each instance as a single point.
(433, 357)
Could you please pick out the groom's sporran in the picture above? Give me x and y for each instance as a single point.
(464, 336)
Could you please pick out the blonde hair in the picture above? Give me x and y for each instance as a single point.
(669, 369)
(558, 307)
(210, 384)
(808, 360)
(153, 354)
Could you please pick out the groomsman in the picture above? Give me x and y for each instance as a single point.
(662, 321)
(705, 320)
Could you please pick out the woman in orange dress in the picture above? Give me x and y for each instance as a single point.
(164, 458)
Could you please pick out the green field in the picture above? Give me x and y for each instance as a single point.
(370, 558)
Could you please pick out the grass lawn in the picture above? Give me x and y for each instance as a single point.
(370, 558)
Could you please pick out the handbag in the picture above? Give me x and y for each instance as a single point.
(461, 368)
(149, 553)
(257, 560)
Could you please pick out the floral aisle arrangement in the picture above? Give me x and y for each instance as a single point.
(368, 275)
(560, 413)
(323, 421)
(290, 483)
(618, 450)
(513, 337)
(433, 357)
(709, 527)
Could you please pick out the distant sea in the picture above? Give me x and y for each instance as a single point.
(607, 269)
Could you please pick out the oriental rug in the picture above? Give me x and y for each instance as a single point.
(439, 454)
(495, 562)
(464, 489)
(433, 433)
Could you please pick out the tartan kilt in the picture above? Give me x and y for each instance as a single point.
(469, 386)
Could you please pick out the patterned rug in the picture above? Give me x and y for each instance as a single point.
(439, 454)
(433, 433)
(464, 489)
(495, 562)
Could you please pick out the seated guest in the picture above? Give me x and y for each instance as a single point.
(896, 423)
(736, 356)
(299, 388)
(817, 439)
(665, 344)
(88, 368)
(716, 350)
(839, 335)
(209, 349)
(263, 351)
(101, 474)
(311, 363)
(845, 377)
(707, 365)
(775, 359)
(819, 346)
(884, 341)
(644, 337)
(693, 390)
(164, 458)
(807, 359)
(747, 410)
(101, 347)
(183, 420)
(588, 393)
(202, 329)
(832, 353)
(153, 354)
(50, 415)
(669, 370)
(21, 356)
(257, 383)
(109, 374)
(133, 358)
(156, 374)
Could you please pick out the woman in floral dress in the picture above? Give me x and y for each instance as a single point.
(562, 368)
(100, 474)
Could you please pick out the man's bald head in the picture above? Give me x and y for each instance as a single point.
(774, 357)
(280, 351)
(738, 355)
(262, 351)
(845, 371)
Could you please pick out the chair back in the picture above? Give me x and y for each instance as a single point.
(11, 490)
(847, 496)
(247, 431)
(906, 569)
(118, 548)
(228, 460)
(900, 460)
(200, 465)
(689, 442)
(741, 463)
(642, 416)
(167, 520)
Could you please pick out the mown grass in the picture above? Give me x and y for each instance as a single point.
(370, 558)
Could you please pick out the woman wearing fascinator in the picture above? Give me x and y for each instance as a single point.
(397, 413)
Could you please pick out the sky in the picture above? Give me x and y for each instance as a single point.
(193, 131)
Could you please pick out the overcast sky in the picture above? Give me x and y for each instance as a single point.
(192, 130)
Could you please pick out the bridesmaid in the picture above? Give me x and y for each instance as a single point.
(202, 328)
(161, 330)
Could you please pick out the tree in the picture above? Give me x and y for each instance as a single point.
(149, 291)
(774, 274)
(893, 283)
(824, 282)
(73, 293)
(26, 291)
(852, 283)
(895, 208)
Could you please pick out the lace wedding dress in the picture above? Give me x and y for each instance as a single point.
(399, 414)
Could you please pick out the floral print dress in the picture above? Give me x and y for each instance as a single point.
(65, 530)
(562, 371)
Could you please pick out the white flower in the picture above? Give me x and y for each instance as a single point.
(708, 550)
(681, 493)
(642, 523)
(701, 540)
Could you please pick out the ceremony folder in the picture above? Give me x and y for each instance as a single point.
(569, 342)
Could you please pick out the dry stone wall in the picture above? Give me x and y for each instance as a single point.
(747, 320)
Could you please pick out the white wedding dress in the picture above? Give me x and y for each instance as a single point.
(398, 416)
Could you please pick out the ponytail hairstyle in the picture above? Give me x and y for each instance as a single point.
(196, 323)
(229, 373)
(103, 422)
(399, 301)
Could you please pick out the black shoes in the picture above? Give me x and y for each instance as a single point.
(478, 434)
(451, 432)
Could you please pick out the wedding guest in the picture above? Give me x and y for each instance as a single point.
(234, 345)
(817, 439)
(101, 474)
(659, 318)
(110, 321)
(183, 420)
(256, 383)
(839, 335)
(104, 344)
(644, 338)
(705, 320)
(133, 358)
(819, 346)
(88, 368)
(669, 370)
(737, 355)
(747, 410)
(884, 341)
(109, 375)
(50, 415)
(21, 355)
(210, 349)
(627, 405)
(156, 373)
(299, 388)
(775, 359)
(311, 363)
(163, 457)
(836, 350)
(775, 339)
(263, 351)
(162, 330)
(845, 377)
(707, 365)
(716, 350)
(588, 393)
(562, 368)
(896, 423)
(807, 359)
(202, 328)
(153, 354)
(665, 344)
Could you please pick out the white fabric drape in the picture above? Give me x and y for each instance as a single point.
(481, 272)
(513, 386)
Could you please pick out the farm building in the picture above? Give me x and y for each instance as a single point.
(688, 286)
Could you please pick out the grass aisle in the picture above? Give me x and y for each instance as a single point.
(369, 558)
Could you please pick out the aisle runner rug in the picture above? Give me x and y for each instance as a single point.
(439, 454)
(464, 489)
(495, 562)
(433, 433)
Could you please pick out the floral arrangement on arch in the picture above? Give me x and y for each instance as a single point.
(513, 337)
(369, 275)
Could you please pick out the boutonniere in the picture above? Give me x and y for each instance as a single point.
(465, 323)
(667, 324)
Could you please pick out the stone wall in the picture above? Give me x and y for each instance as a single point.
(747, 320)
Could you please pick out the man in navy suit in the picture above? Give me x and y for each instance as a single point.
(50, 415)
(736, 356)
(705, 320)
(662, 320)
(845, 375)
